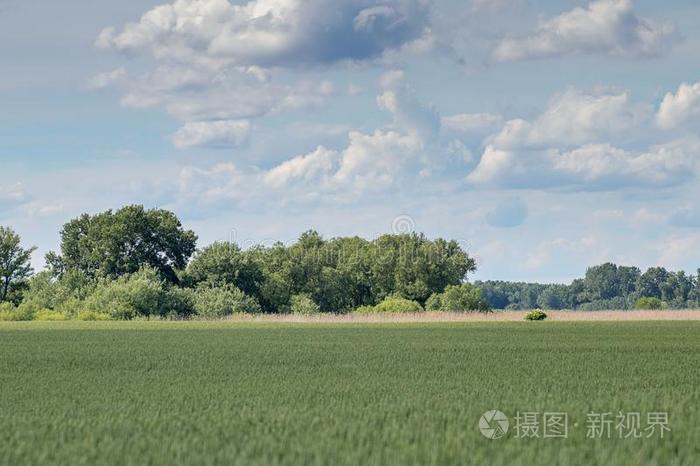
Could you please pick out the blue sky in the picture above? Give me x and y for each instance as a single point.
(545, 136)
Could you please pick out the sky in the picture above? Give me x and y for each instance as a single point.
(545, 136)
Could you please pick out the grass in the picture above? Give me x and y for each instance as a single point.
(181, 393)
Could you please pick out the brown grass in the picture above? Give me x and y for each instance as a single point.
(476, 317)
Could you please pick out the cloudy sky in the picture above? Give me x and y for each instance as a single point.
(546, 136)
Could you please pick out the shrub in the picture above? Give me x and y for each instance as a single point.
(535, 315)
(222, 301)
(396, 304)
(648, 303)
(458, 298)
(9, 312)
(303, 305)
(51, 316)
(143, 293)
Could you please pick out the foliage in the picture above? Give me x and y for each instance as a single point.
(14, 262)
(221, 301)
(113, 244)
(303, 305)
(395, 305)
(536, 315)
(51, 316)
(223, 264)
(458, 298)
(648, 303)
(143, 293)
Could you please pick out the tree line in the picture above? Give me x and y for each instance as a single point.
(135, 262)
(604, 287)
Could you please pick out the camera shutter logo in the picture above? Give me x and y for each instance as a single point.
(493, 424)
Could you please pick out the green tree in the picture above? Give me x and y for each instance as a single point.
(15, 260)
(224, 264)
(112, 244)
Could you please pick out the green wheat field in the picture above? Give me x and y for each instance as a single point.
(185, 393)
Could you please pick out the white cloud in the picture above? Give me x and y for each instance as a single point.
(589, 167)
(607, 27)
(308, 168)
(213, 134)
(680, 107)
(272, 32)
(574, 118)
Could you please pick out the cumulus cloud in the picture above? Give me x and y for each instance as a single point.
(272, 32)
(574, 118)
(213, 134)
(679, 108)
(607, 27)
(589, 167)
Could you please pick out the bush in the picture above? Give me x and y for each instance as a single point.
(143, 293)
(393, 305)
(303, 305)
(458, 298)
(535, 315)
(223, 301)
(9, 312)
(52, 316)
(648, 303)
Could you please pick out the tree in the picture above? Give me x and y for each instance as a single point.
(222, 264)
(113, 244)
(15, 264)
(651, 282)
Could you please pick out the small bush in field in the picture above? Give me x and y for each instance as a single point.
(648, 303)
(303, 305)
(535, 315)
(394, 305)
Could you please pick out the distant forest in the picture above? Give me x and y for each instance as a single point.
(604, 287)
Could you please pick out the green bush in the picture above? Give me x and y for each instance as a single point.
(393, 305)
(648, 303)
(223, 301)
(52, 316)
(303, 305)
(10, 313)
(143, 293)
(536, 315)
(458, 298)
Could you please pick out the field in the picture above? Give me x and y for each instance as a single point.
(180, 393)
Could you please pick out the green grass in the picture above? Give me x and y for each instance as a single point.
(250, 393)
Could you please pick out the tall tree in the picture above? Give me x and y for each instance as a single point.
(14, 261)
(112, 244)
